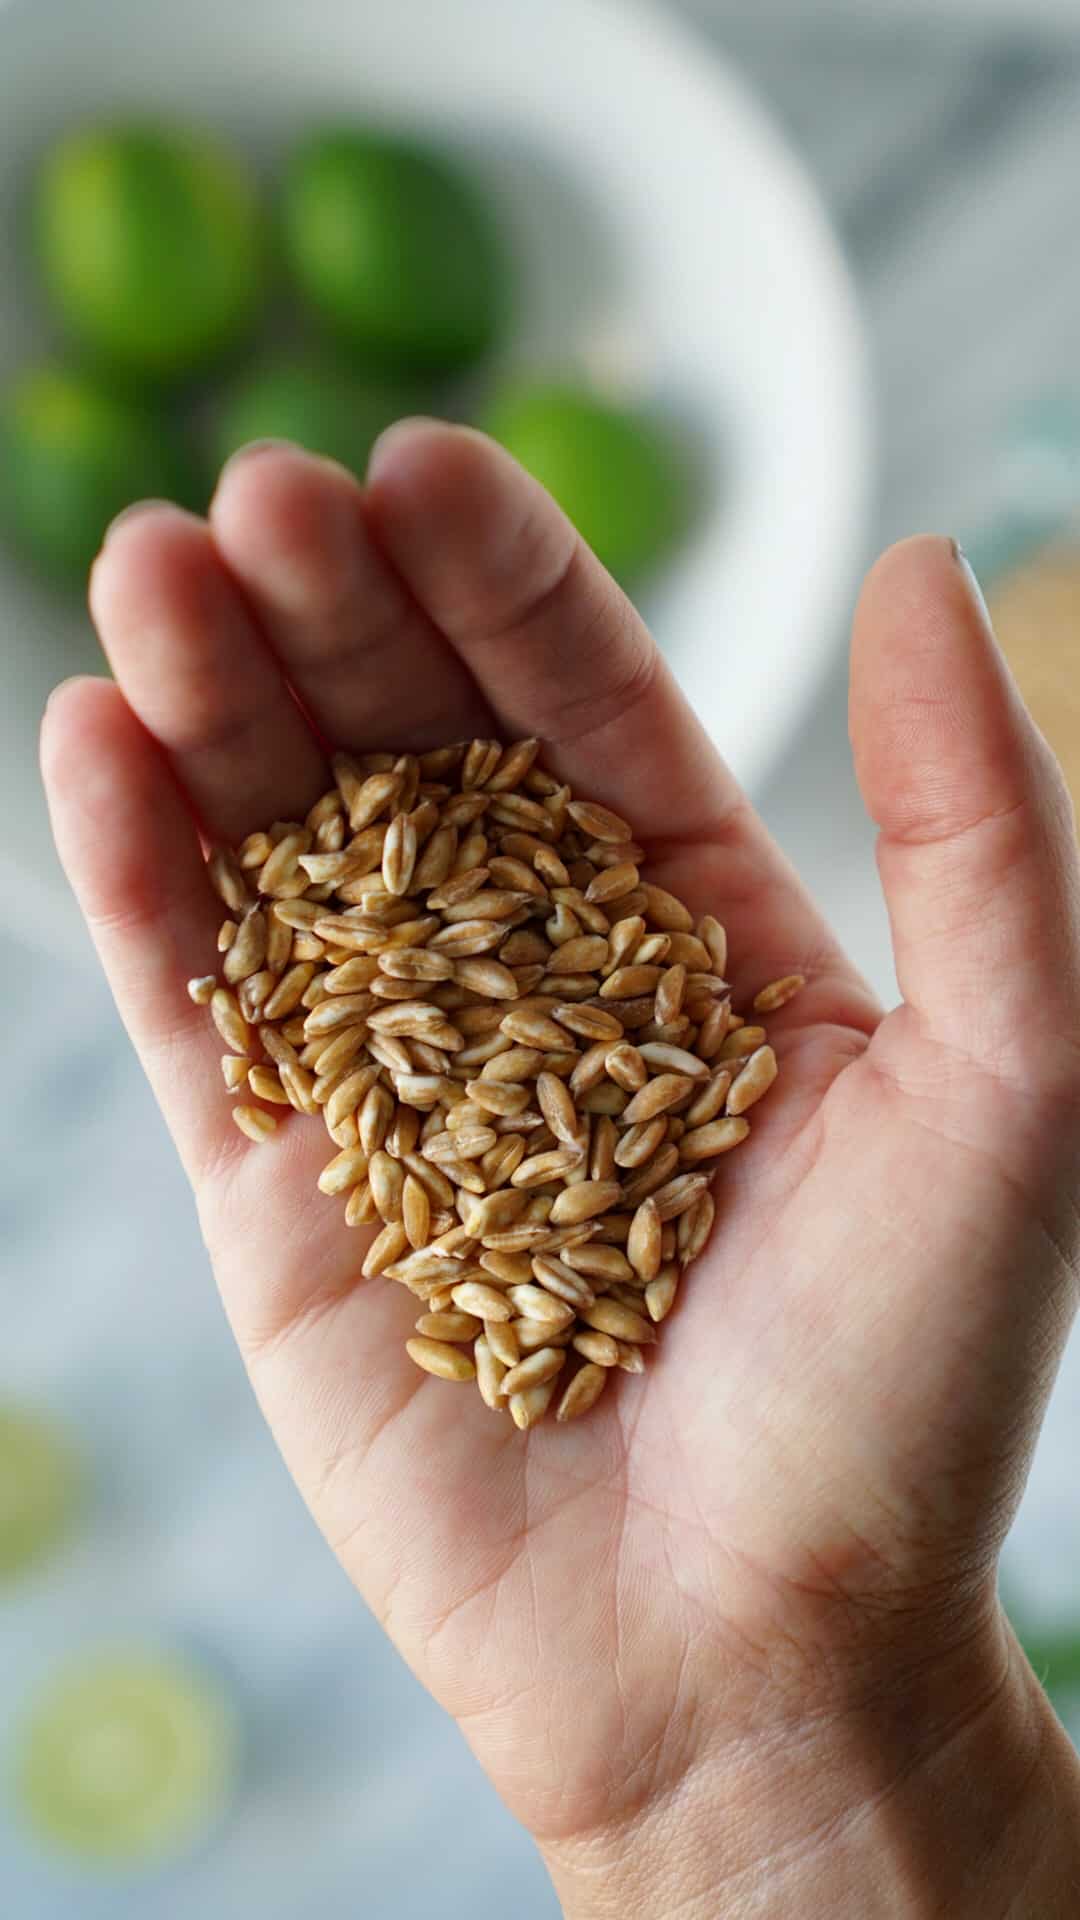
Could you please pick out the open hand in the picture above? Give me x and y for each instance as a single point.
(786, 1534)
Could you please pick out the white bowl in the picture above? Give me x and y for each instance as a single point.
(667, 237)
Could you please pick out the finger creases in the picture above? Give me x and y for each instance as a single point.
(368, 664)
(129, 846)
(195, 668)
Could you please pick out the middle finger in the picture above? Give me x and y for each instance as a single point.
(369, 665)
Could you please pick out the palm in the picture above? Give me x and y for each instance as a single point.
(810, 1433)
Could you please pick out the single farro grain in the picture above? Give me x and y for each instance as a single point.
(583, 1391)
(533, 1370)
(439, 1357)
(778, 993)
(754, 1080)
(255, 1122)
(527, 1409)
(490, 1372)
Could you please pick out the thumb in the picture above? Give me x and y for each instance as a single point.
(977, 848)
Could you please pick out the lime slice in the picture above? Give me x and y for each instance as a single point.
(329, 412)
(150, 242)
(38, 1484)
(126, 1758)
(71, 456)
(615, 473)
(392, 249)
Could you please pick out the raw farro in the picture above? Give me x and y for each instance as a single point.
(523, 1052)
(778, 993)
(583, 1392)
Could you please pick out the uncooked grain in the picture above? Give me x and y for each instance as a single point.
(524, 1054)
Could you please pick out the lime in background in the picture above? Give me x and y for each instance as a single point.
(125, 1757)
(393, 250)
(330, 410)
(72, 454)
(618, 475)
(39, 1488)
(150, 243)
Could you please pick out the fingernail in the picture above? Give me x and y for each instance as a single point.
(400, 430)
(73, 680)
(251, 450)
(133, 512)
(972, 580)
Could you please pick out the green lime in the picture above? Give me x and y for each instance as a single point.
(39, 1481)
(71, 456)
(393, 249)
(333, 413)
(613, 471)
(126, 1758)
(151, 245)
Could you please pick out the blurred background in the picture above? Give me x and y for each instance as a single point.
(755, 290)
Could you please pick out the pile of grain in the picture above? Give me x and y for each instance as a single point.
(524, 1053)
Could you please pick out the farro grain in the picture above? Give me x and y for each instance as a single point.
(503, 1341)
(228, 880)
(778, 993)
(668, 1090)
(387, 1246)
(557, 1278)
(644, 1242)
(754, 1080)
(229, 1021)
(716, 1137)
(533, 1370)
(622, 1323)
(450, 1325)
(660, 1293)
(535, 1303)
(639, 1142)
(583, 1392)
(265, 1084)
(694, 1228)
(533, 1334)
(626, 1066)
(528, 1409)
(486, 1302)
(603, 1136)
(600, 1348)
(439, 1357)
(676, 1196)
(490, 1371)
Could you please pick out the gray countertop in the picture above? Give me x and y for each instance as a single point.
(949, 157)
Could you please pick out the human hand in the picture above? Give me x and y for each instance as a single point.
(755, 1590)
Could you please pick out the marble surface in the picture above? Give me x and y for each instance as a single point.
(949, 157)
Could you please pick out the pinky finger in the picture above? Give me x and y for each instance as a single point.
(129, 847)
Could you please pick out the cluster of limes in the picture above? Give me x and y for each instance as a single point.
(173, 285)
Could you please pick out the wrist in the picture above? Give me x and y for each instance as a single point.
(954, 1792)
